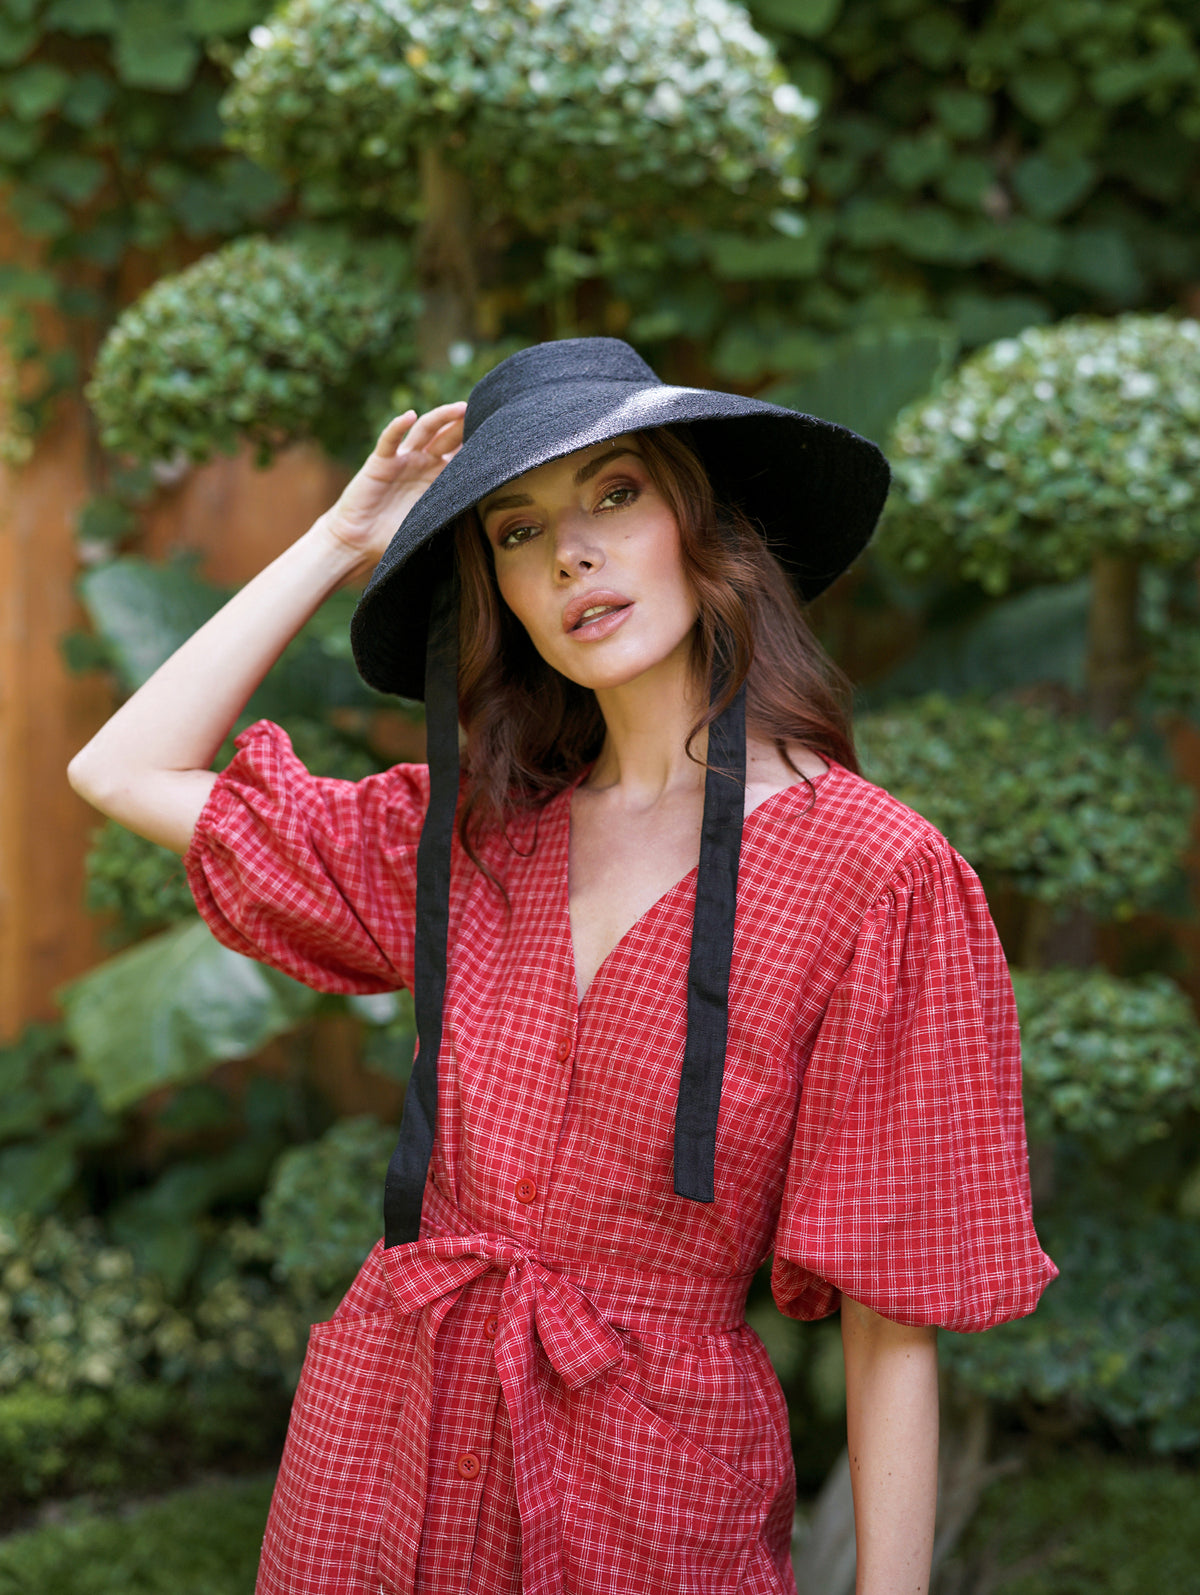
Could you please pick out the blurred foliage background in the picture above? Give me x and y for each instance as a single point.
(968, 228)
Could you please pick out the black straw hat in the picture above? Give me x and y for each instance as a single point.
(814, 490)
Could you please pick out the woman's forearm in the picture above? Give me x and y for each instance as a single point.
(892, 1431)
(148, 766)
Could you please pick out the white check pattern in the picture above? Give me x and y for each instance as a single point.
(553, 1391)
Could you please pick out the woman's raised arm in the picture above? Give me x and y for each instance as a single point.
(148, 766)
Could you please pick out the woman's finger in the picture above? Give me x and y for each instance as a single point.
(389, 438)
(426, 428)
(446, 438)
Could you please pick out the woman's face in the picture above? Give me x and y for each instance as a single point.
(587, 556)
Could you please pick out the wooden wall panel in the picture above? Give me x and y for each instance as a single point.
(237, 518)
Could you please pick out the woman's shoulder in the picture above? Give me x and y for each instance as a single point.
(841, 821)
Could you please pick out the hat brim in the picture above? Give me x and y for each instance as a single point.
(815, 490)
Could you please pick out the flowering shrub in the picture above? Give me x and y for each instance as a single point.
(1070, 815)
(1045, 449)
(260, 340)
(77, 1313)
(560, 107)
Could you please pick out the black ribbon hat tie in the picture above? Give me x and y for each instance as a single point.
(814, 489)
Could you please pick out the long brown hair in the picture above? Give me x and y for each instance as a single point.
(529, 731)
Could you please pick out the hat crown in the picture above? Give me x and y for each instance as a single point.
(566, 360)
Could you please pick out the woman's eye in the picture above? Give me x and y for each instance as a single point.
(516, 535)
(619, 495)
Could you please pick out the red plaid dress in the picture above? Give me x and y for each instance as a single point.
(554, 1390)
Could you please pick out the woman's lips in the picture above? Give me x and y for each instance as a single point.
(602, 626)
(595, 614)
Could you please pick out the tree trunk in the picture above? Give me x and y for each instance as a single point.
(1114, 658)
(446, 265)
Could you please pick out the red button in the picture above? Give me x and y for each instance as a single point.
(491, 1325)
(526, 1190)
(468, 1465)
(564, 1051)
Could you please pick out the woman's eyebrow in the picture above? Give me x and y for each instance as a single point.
(509, 501)
(588, 470)
(506, 501)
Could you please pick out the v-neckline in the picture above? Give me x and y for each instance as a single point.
(565, 824)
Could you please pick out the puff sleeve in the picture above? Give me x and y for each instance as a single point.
(908, 1184)
(314, 876)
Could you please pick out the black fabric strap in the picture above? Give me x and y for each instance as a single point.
(407, 1171)
(700, 1079)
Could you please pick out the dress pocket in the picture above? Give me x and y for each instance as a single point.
(657, 1512)
(330, 1497)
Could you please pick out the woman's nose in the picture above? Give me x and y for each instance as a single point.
(576, 550)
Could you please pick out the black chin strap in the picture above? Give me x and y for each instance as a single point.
(699, 1101)
(404, 1189)
(700, 1079)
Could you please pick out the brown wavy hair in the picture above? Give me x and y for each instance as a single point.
(530, 731)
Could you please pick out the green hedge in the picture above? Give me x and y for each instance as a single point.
(202, 1541)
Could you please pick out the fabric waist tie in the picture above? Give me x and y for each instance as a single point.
(575, 1317)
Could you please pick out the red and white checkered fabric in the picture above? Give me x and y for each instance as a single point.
(553, 1391)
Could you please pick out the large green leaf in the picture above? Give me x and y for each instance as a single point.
(154, 48)
(1039, 637)
(171, 1008)
(868, 379)
(143, 612)
(1050, 186)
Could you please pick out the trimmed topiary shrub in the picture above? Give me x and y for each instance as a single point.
(261, 341)
(1043, 450)
(1068, 814)
(562, 109)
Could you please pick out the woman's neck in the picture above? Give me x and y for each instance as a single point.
(647, 722)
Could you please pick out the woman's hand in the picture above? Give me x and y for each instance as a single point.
(412, 452)
(148, 767)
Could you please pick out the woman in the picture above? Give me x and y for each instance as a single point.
(689, 992)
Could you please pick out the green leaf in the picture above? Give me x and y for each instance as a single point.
(869, 378)
(808, 18)
(223, 17)
(1102, 259)
(171, 1008)
(36, 89)
(1049, 188)
(16, 41)
(983, 318)
(90, 95)
(38, 215)
(18, 140)
(72, 177)
(964, 113)
(1040, 636)
(144, 612)
(1029, 248)
(33, 1177)
(747, 259)
(154, 50)
(28, 284)
(1045, 90)
(83, 16)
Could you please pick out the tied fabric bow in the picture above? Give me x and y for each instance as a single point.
(428, 1277)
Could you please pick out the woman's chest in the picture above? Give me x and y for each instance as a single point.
(574, 1103)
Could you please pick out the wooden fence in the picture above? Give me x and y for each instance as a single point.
(237, 518)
